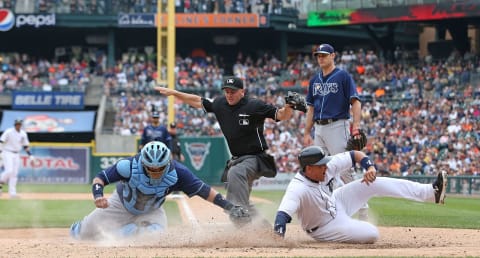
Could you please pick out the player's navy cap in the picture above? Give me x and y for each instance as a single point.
(324, 49)
(313, 155)
(155, 114)
(18, 121)
(232, 83)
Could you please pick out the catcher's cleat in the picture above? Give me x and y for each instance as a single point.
(440, 187)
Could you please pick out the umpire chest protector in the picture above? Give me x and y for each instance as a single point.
(140, 193)
(242, 124)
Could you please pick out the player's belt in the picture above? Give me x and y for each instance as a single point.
(309, 231)
(326, 121)
(11, 151)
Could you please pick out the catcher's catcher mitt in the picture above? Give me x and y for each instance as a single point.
(239, 216)
(357, 141)
(296, 100)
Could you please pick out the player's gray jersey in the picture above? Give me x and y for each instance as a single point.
(14, 141)
(312, 200)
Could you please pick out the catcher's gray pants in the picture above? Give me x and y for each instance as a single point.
(115, 221)
(240, 177)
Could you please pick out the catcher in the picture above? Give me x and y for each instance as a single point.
(135, 208)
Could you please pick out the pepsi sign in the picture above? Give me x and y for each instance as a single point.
(7, 19)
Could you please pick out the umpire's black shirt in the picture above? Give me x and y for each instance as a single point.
(242, 124)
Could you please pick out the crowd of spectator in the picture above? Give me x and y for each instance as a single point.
(420, 116)
(112, 7)
(20, 71)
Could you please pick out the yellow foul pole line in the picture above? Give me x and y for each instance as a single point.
(171, 40)
(166, 36)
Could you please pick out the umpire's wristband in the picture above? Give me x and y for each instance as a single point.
(97, 190)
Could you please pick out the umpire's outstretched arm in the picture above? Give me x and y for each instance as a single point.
(191, 99)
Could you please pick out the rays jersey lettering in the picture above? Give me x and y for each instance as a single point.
(323, 89)
(141, 195)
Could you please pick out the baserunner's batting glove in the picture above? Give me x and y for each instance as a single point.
(279, 229)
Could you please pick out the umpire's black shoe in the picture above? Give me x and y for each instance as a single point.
(440, 187)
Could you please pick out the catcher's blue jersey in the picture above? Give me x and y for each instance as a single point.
(139, 193)
(331, 95)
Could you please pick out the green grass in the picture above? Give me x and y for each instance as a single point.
(458, 212)
(20, 213)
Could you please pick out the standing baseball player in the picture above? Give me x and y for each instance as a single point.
(242, 122)
(327, 217)
(135, 207)
(176, 145)
(155, 132)
(332, 96)
(14, 139)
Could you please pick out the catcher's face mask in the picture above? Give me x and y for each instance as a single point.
(155, 172)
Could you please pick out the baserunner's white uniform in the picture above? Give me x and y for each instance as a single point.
(13, 142)
(327, 217)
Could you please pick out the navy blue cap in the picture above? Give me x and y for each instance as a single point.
(155, 114)
(324, 49)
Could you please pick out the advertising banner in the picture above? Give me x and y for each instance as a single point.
(437, 11)
(209, 20)
(136, 20)
(47, 100)
(51, 121)
(196, 20)
(8, 20)
(55, 165)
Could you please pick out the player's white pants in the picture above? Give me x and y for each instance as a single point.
(351, 197)
(11, 163)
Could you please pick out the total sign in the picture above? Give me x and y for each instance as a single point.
(8, 19)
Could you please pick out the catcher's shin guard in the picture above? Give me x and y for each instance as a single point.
(75, 230)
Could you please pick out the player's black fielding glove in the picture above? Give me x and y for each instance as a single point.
(296, 100)
(239, 215)
(357, 141)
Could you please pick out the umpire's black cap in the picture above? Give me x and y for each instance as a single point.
(313, 155)
(233, 83)
(324, 49)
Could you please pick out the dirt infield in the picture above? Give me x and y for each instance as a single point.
(210, 235)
